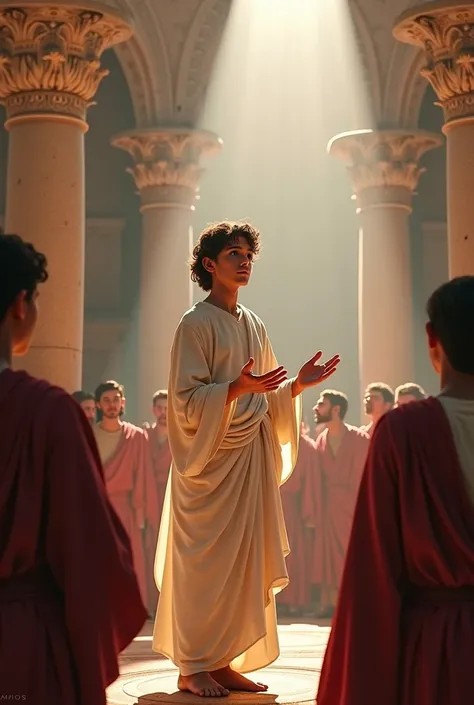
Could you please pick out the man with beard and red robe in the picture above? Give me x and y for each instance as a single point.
(296, 598)
(86, 401)
(378, 399)
(404, 628)
(69, 599)
(125, 456)
(341, 453)
(160, 465)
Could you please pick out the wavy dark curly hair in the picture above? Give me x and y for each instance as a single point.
(211, 243)
(22, 268)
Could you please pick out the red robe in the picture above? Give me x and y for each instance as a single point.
(333, 493)
(69, 600)
(404, 628)
(126, 476)
(298, 592)
(159, 469)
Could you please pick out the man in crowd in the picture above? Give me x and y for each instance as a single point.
(125, 456)
(160, 466)
(87, 403)
(341, 453)
(406, 393)
(378, 399)
(404, 628)
(69, 599)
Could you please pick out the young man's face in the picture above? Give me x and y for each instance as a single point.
(89, 408)
(23, 315)
(111, 404)
(375, 404)
(160, 412)
(323, 411)
(233, 266)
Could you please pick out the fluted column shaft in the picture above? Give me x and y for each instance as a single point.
(166, 173)
(445, 30)
(49, 73)
(384, 171)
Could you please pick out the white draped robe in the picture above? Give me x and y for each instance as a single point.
(221, 550)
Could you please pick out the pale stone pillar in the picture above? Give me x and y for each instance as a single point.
(384, 171)
(49, 73)
(166, 173)
(445, 30)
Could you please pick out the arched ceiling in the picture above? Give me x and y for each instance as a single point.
(168, 62)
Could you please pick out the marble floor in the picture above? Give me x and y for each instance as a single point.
(147, 678)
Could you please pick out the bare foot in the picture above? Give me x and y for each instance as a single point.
(232, 680)
(202, 684)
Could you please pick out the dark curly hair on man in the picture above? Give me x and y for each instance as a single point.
(211, 243)
(22, 268)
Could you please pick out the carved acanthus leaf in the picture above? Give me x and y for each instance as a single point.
(55, 48)
(447, 36)
(384, 159)
(167, 157)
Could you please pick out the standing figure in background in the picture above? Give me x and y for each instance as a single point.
(406, 393)
(125, 456)
(69, 599)
(86, 401)
(378, 399)
(404, 628)
(341, 452)
(296, 598)
(160, 467)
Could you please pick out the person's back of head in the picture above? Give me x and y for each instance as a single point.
(22, 268)
(450, 329)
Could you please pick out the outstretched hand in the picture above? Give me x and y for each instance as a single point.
(251, 383)
(312, 373)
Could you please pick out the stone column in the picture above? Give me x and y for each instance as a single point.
(384, 171)
(445, 30)
(49, 73)
(166, 173)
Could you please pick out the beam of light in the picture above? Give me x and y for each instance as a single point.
(287, 79)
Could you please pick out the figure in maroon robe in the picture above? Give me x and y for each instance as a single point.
(341, 453)
(404, 627)
(297, 595)
(125, 456)
(69, 599)
(160, 453)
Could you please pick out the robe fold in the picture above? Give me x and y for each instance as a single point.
(126, 474)
(156, 483)
(69, 599)
(403, 632)
(333, 490)
(221, 550)
(293, 492)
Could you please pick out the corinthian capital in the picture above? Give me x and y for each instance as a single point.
(167, 162)
(383, 165)
(50, 55)
(445, 30)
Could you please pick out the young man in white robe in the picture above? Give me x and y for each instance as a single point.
(234, 421)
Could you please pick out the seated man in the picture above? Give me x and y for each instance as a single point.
(69, 599)
(404, 627)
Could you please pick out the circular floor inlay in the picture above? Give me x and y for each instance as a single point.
(286, 686)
